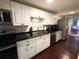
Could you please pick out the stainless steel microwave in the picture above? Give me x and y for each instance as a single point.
(5, 16)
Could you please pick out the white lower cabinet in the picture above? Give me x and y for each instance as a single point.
(28, 48)
(58, 36)
(42, 42)
(46, 41)
(31, 48)
(39, 44)
(22, 51)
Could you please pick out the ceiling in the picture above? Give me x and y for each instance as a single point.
(58, 6)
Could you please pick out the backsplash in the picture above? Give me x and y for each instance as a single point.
(20, 28)
(36, 26)
(16, 28)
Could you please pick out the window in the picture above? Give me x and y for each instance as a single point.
(75, 26)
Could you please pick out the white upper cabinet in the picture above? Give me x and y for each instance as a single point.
(20, 14)
(5, 4)
(26, 15)
(38, 16)
(47, 18)
(37, 13)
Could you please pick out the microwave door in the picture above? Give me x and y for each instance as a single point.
(6, 16)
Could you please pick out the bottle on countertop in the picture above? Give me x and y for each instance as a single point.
(30, 31)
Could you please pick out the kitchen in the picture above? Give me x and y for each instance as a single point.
(27, 29)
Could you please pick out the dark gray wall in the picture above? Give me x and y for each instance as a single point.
(17, 28)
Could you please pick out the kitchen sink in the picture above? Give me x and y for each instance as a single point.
(38, 33)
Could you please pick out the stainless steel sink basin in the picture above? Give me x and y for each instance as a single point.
(37, 33)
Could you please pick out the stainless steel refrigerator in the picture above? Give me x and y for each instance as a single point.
(63, 27)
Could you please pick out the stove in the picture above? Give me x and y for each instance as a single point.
(7, 37)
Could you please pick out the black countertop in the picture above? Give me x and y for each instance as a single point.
(15, 37)
(9, 40)
(27, 35)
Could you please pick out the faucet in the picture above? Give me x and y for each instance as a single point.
(31, 29)
(39, 28)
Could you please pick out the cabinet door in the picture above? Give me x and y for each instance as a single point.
(58, 36)
(26, 49)
(31, 48)
(39, 45)
(42, 43)
(46, 41)
(48, 18)
(22, 50)
(37, 13)
(27, 13)
(5, 4)
(16, 13)
(20, 13)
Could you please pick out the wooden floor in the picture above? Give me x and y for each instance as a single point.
(62, 50)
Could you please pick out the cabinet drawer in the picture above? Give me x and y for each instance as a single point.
(23, 43)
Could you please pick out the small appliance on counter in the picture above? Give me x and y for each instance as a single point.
(30, 31)
(52, 28)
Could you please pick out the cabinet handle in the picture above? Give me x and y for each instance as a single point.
(27, 41)
(27, 44)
